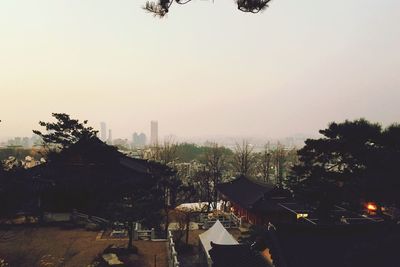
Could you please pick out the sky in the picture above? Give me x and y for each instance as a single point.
(206, 69)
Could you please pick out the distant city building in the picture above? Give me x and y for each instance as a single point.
(142, 139)
(135, 140)
(103, 131)
(154, 132)
(36, 140)
(26, 142)
(109, 140)
(138, 140)
(121, 143)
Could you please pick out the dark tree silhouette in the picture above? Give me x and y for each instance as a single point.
(64, 132)
(354, 161)
(143, 205)
(161, 7)
(1, 167)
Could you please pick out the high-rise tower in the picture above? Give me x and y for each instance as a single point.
(109, 140)
(103, 131)
(153, 132)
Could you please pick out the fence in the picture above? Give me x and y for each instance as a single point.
(172, 254)
(56, 217)
(228, 220)
(143, 234)
(99, 220)
(236, 219)
(78, 216)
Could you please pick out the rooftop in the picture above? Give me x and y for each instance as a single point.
(245, 191)
(241, 255)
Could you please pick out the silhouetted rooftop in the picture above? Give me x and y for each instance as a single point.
(335, 245)
(244, 191)
(241, 255)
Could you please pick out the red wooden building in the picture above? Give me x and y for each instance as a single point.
(255, 202)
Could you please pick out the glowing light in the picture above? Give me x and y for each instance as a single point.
(372, 206)
(302, 215)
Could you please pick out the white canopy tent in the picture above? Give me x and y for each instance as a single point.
(218, 235)
(198, 206)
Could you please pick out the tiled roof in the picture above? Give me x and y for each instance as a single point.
(244, 191)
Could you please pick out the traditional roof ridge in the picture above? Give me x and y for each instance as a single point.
(244, 191)
(257, 181)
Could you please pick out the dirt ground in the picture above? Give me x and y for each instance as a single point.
(56, 247)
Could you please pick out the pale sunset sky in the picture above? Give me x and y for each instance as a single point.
(205, 69)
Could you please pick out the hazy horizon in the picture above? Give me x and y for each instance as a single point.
(204, 70)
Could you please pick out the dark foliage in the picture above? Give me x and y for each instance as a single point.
(15, 192)
(332, 245)
(353, 161)
(65, 131)
(161, 7)
(187, 152)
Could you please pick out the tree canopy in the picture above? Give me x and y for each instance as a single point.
(65, 131)
(161, 7)
(353, 161)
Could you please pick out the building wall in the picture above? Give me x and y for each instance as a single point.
(262, 219)
(247, 215)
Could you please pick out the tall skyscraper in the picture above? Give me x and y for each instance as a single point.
(103, 131)
(109, 140)
(153, 132)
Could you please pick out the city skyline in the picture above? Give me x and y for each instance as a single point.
(138, 139)
(197, 139)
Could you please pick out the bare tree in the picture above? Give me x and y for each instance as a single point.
(244, 159)
(165, 153)
(279, 156)
(170, 184)
(204, 182)
(265, 163)
(215, 164)
(292, 157)
(184, 216)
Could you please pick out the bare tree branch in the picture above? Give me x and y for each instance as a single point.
(244, 158)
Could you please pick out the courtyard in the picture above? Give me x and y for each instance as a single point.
(34, 246)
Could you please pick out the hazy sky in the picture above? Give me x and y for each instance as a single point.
(206, 69)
